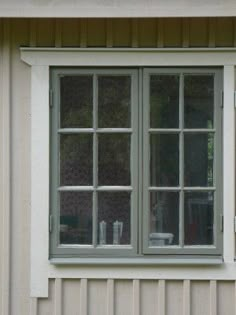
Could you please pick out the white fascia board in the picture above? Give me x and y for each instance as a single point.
(119, 10)
(40, 61)
(128, 57)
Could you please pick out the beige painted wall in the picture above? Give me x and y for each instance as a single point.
(82, 296)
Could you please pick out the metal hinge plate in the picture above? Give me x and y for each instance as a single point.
(235, 224)
(50, 223)
(222, 223)
(51, 98)
(222, 99)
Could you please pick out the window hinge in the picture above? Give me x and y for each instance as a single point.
(50, 223)
(234, 98)
(222, 99)
(235, 224)
(51, 98)
(222, 223)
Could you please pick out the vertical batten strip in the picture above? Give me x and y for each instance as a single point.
(58, 297)
(110, 297)
(234, 298)
(33, 31)
(229, 163)
(83, 297)
(160, 33)
(213, 298)
(134, 39)
(33, 306)
(161, 297)
(109, 33)
(136, 297)
(185, 33)
(83, 33)
(186, 298)
(58, 33)
(211, 32)
(5, 178)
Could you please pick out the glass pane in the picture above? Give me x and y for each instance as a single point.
(164, 160)
(76, 101)
(164, 218)
(199, 218)
(76, 159)
(114, 159)
(76, 218)
(198, 101)
(114, 218)
(199, 159)
(164, 101)
(114, 101)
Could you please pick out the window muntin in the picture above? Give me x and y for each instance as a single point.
(162, 175)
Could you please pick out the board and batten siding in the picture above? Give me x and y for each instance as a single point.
(86, 296)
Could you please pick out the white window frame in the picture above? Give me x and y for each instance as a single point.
(40, 59)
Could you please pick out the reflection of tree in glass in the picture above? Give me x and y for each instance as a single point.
(198, 101)
(164, 101)
(114, 98)
(76, 159)
(76, 101)
(114, 159)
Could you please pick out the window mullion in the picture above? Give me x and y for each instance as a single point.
(181, 161)
(95, 159)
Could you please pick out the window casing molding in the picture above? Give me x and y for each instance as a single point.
(40, 61)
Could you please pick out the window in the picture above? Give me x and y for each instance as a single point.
(136, 162)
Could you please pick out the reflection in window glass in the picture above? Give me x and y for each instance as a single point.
(198, 101)
(76, 101)
(164, 101)
(164, 218)
(76, 218)
(76, 159)
(114, 101)
(164, 160)
(114, 218)
(198, 218)
(199, 159)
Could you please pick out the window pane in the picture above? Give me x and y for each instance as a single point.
(76, 218)
(198, 101)
(114, 101)
(164, 101)
(76, 159)
(164, 159)
(199, 218)
(199, 157)
(114, 159)
(164, 218)
(76, 101)
(114, 218)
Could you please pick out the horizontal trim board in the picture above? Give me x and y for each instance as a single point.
(128, 57)
(179, 271)
(117, 9)
(137, 261)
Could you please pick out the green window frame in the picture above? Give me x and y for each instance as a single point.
(140, 189)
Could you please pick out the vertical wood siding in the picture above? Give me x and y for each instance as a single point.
(83, 296)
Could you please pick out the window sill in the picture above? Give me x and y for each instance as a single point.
(216, 260)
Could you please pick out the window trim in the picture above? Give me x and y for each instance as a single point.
(40, 59)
